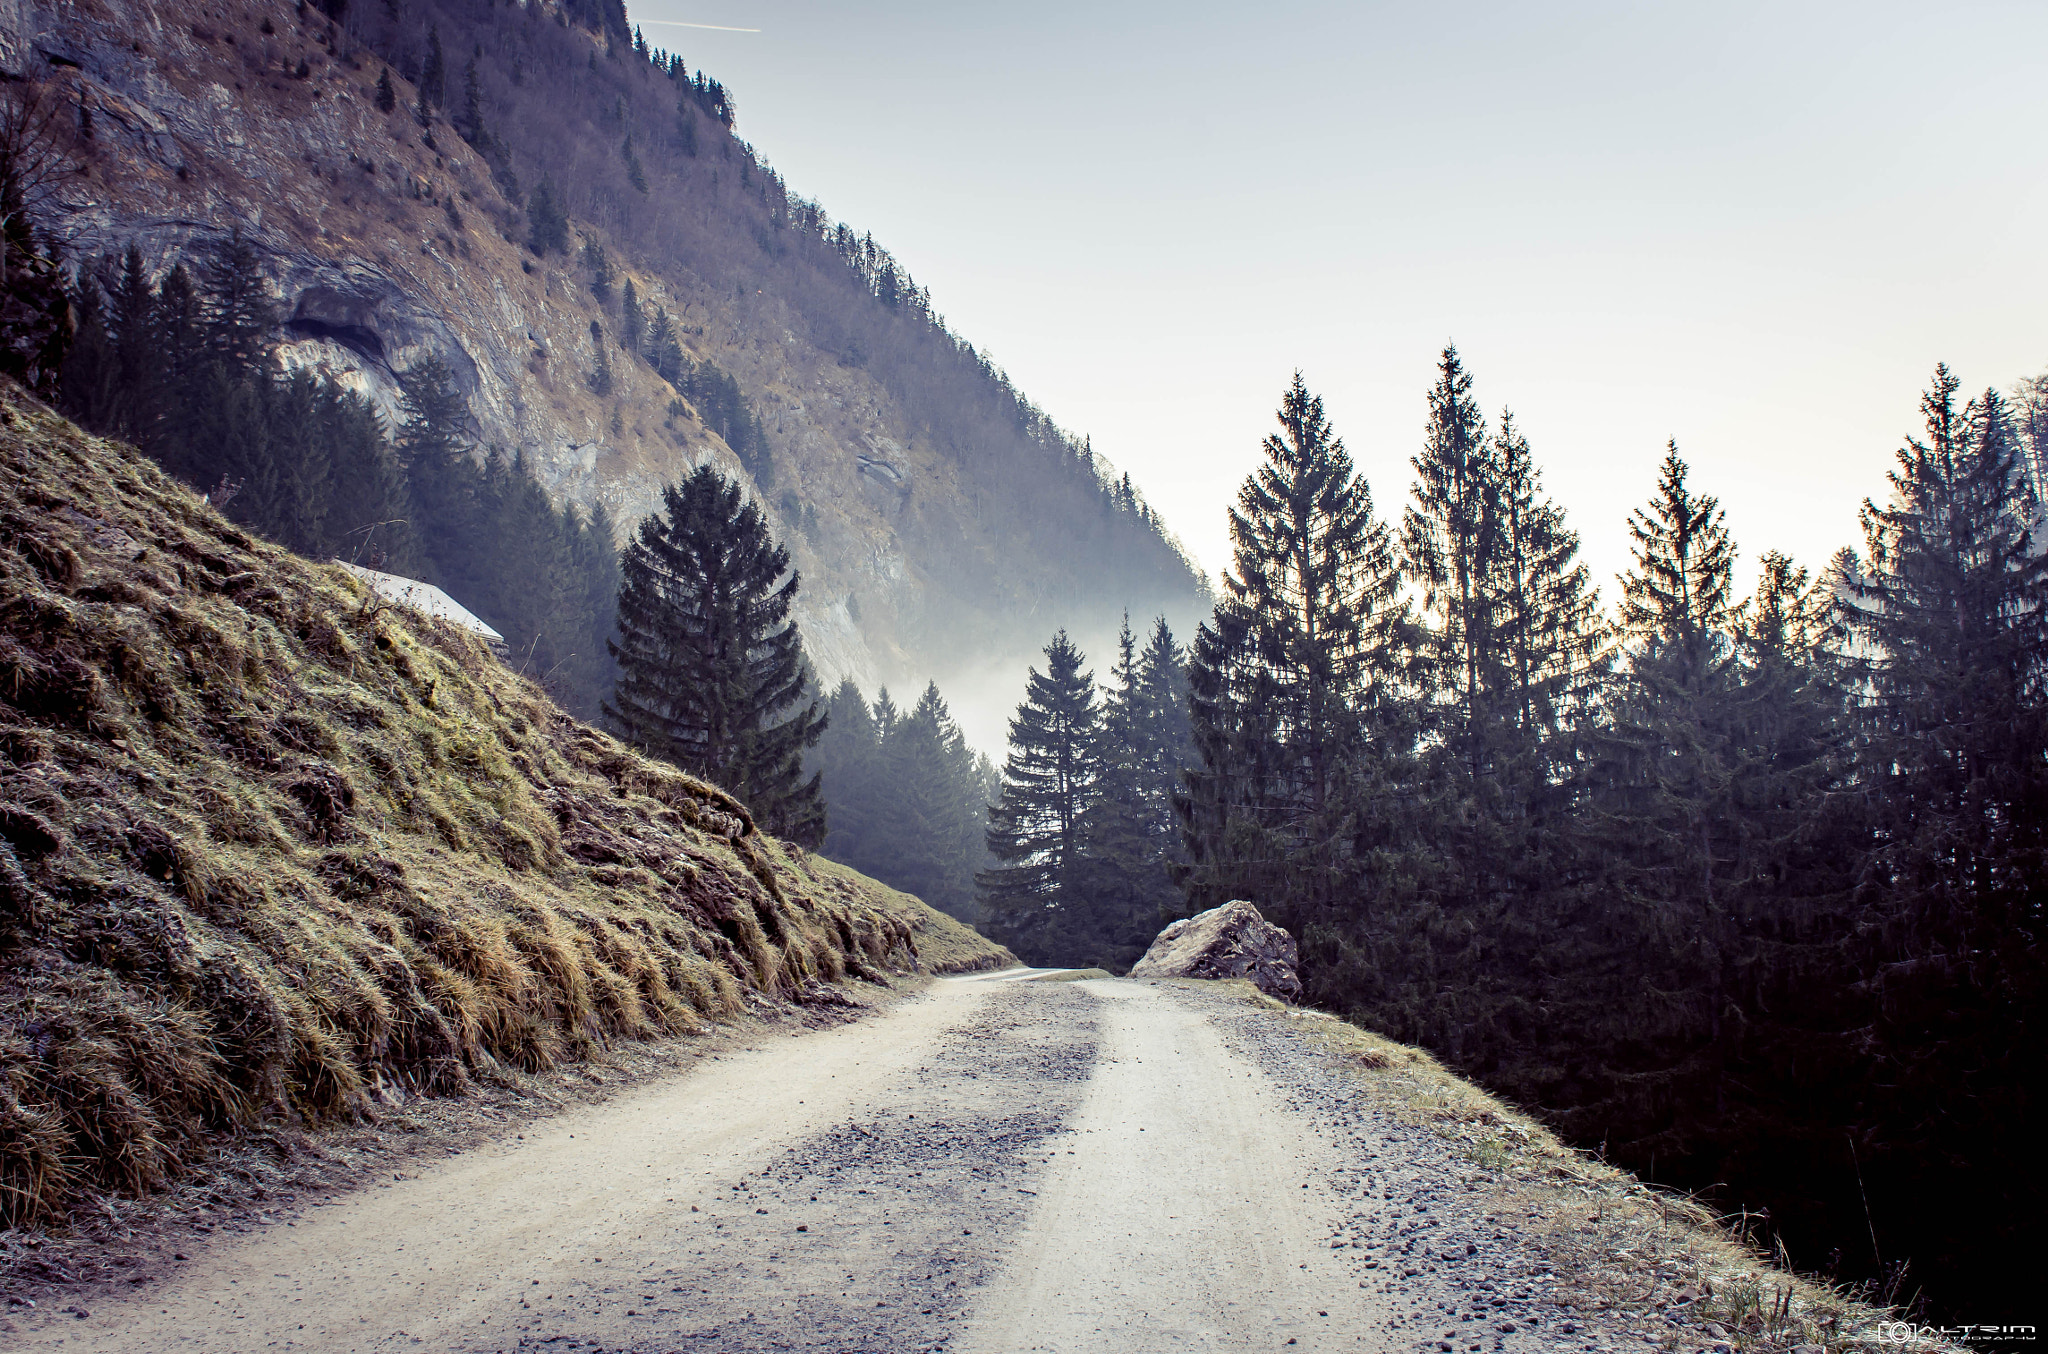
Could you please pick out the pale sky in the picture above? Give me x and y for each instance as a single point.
(1754, 228)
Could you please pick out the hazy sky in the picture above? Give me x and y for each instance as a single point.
(1751, 228)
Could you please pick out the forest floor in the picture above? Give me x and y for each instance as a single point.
(990, 1164)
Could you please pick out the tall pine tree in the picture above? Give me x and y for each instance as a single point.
(711, 668)
(1952, 613)
(1463, 889)
(931, 811)
(1452, 549)
(1035, 829)
(1294, 680)
(1123, 889)
(846, 759)
(1711, 793)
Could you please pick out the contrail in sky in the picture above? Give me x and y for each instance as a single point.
(677, 23)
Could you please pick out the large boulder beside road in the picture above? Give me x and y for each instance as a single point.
(1231, 941)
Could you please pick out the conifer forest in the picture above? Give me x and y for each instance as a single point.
(1743, 891)
(1731, 869)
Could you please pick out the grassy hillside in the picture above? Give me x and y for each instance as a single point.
(271, 849)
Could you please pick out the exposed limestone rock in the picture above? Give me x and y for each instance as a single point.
(1231, 941)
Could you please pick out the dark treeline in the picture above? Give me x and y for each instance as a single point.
(905, 795)
(1746, 892)
(184, 366)
(678, 193)
(1083, 830)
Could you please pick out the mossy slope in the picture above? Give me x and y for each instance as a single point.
(270, 849)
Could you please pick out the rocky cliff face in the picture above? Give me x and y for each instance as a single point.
(934, 513)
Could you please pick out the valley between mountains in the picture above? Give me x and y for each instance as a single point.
(998, 1162)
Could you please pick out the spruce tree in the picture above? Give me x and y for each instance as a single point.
(1124, 891)
(1951, 611)
(35, 298)
(1035, 828)
(2030, 416)
(846, 759)
(711, 668)
(907, 797)
(138, 349)
(600, 376)
(1163, 696)
(1550, 625)
(1710, 786)
(238, 316)
(370, 506)
(1680, 594)
(433, 75)
(1439, 915)
(387, 96)
(546, 219)
(886, 713)
(90, 382)
(1452, 541)
(631, 320)
(600, 268)
(469, 125)
(1293, 684)
(664, 354)
(1470, 881)
(931, 812)
(594, 606)
(515, 570)
(178, 326)
(215, 418)
(433, 446)
(300, 418)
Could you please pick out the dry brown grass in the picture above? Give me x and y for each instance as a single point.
(1622, 1252)
(272, 851)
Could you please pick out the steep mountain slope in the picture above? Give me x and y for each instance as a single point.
(935, 512)
(272, 849)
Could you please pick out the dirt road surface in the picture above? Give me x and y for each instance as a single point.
(998, 1165)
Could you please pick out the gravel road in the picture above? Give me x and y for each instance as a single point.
(997, 1165)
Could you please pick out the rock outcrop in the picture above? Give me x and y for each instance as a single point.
(1231, 941)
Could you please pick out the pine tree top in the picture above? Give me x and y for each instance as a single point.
(1679, 593)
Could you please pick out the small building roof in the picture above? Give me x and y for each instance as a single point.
(424, 598)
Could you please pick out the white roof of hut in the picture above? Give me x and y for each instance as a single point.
(424, 598)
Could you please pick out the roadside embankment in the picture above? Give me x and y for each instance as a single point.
(1637, 1268)
(273, 852)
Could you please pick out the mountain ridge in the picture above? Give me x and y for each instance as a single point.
(942, 522)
